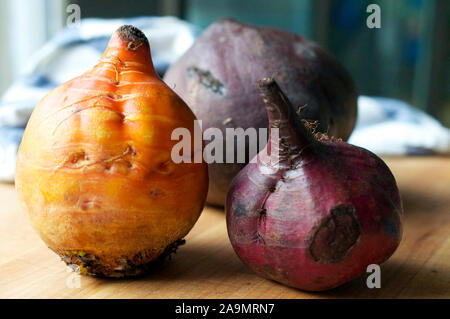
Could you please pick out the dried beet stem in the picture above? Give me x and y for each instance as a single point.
(131, 33)
(292, 137)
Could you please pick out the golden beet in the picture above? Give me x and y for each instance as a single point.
(94, 169)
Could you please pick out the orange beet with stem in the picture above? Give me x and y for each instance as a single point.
(94, 169)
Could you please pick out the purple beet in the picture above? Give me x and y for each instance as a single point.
(312, 212)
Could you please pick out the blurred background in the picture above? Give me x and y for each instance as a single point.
(408, 58)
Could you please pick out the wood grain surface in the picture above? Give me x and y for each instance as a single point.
(206, 267)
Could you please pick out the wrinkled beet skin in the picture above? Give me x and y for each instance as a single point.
(237, 55)
(276, 242)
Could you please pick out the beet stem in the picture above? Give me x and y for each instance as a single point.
(132, 34)
(292, 137)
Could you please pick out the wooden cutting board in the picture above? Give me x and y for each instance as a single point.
(206, 267)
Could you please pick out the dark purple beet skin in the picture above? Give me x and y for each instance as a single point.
(318, 219)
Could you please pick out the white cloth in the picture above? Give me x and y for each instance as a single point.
(392, 127)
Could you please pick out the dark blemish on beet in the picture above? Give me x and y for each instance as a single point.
(336, 235)
(391, 228)
(239, 209)
(206, 79)
(164, 167)
(155, 192)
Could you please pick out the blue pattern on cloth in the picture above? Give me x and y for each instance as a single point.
(384, 126)
(391, 127)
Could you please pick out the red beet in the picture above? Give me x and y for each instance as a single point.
(315, 216)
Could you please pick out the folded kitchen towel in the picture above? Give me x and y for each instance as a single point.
(384, 126)
(392, 127)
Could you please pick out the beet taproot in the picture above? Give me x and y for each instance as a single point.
(311, 212)
(216, 78)
(94, 169)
